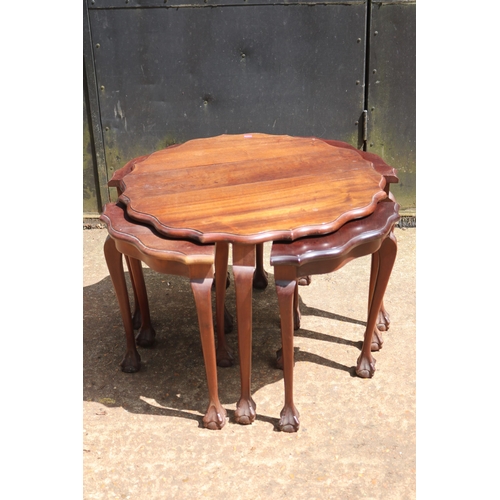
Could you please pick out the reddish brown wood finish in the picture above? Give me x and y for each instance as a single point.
(142, 243)
(324, 254)
(251, 188)
(379, 165)
(248, 189)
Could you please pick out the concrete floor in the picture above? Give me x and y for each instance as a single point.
(142, 433)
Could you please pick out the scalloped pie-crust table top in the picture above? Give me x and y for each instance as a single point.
(248, 189)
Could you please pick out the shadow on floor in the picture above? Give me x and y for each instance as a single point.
(172, 381)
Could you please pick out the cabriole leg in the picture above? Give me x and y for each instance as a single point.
(296, 324)
(136, 315)
(224, 355)
(260, 276)
(289, 421)
(131, 361)
(383, 319)
(296, 309)
(147, 334)
(243, 269)
(215, 417)
(387, 256)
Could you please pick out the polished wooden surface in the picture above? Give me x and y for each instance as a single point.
(149, 243)
(251, 188)
(390, 176)
(344, 243)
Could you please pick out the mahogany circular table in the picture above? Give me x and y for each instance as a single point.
(245, 190)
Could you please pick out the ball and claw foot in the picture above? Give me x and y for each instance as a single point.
(136, 319)
(304, 281)
(215, 418)
(289, 419)
(260, 279)
(224, 358)
(383, 320)
(377, 340)
(365, 367)
(245, 411)
(146, 337)
(131, 362)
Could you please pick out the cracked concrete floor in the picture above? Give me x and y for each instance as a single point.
(142, 435)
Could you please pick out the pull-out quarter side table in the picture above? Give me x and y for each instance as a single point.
(146, 335)
(370, 235)
(141, 242)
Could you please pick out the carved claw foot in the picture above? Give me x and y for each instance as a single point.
(383, 320)
(146, 337)
(245, 411)
(136, 319)
(215, 418)
(304, 281)
(377, 340)
(131, 362)
(224, 357)
(365, 367)
(289, 419)
(260, 279)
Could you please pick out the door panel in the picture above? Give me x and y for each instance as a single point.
(392, 94)
(165, 76)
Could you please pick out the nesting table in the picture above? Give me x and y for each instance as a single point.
(245, 190)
